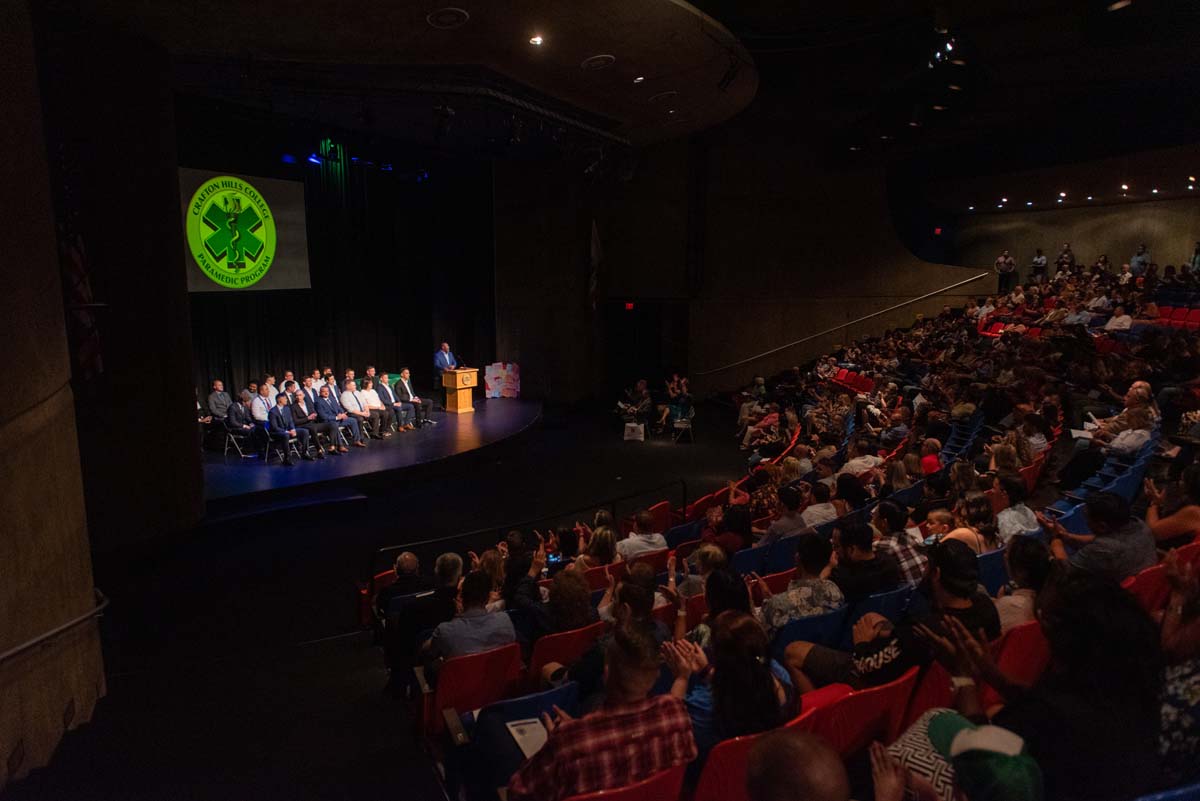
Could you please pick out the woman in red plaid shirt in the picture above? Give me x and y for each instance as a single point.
(630, 738)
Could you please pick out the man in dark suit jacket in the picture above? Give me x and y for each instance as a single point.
(305, 416)
(422, 406)
(404, 411)
(408, 581)
(310, 390)
(330, 411)
(239, 417)
(281, 427)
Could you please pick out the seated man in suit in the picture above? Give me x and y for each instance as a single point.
(421, 406)
(305, 416)
(219, 400)
(404, 411)
(355, 404)
(309, 388)
(281, 427)
(375, 404)
(330, 411)
(238, 416)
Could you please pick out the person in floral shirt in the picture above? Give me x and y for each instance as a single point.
(808, 594)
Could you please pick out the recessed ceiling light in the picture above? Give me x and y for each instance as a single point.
(1089, 197)
(1117, 6)
(1191, 179)
(939, 108)
(1003, 200)
(1154, 191)
(970, 208)
(884, 137)
(1125, 187)
(1059, 200)
(1028, 202)
(958, 62)
(949, 46)
(953, 87)
(855, 148)
(670, 111)
(446, 19)
(1000, 206)
(914, 124)
(1062, 194)
(1191, 187)
(639, 79)
(598, 62)
(536, 41)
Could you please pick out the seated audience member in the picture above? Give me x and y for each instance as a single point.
(268, 381)
(239, 416)
(219, 400)
(570, 602)
(733, 529)
(375, 404)
(355, 404)
(1093, 720)
(631, 737)
(264, 402)
(789, 522)
(895, 479)
(565, 542)
(1120, 321)
(281, 428)
(1035, 431)
(858, 570)
(305, 416)
(861, 458)
(1028, 563)
(422, 615)
(943, 756)
(820, 510)
(521, 575)
(403, 412)
(1016, 518)
(643, 539)
(1004, 460)
(790, 765)
(931, 460)
(978, 530)
(708, 557)
(409, 580)
(1179, 743)
(601, 549)
(1127, 442)
(422, 407)
(808, 593)
(884, 650)
(330, 411)
(1183, 524)
(964, 481)
(474, 629)
(493, 563)
(1118, 546)
(891, 521)
(936, 496)
(723, 590)
(739, 690)
(632, 606)
(849, 494)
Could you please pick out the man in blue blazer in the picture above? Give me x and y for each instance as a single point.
(330, 411)
(281, 427)
(404, 411)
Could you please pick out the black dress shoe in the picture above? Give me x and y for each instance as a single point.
(307, 458)
(288, 463)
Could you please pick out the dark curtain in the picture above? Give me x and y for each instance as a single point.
(397, 265)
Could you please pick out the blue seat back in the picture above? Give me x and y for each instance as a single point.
(889, 604)
(565, 698)
(781, 556)
(992, 572)
(683, 533)
(1189, 792)
(748, 560)
(824, 629)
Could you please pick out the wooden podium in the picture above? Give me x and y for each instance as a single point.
(459, 384)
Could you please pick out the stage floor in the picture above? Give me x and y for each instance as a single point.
(493, 421)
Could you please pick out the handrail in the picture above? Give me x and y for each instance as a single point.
(101, 605)
(609, 502)
(843, 325)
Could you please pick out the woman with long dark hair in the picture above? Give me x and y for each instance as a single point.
(739, 691)
(978, 529)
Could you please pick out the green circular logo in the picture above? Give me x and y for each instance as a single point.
(230, 232)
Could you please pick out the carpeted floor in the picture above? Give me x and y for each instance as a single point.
(236, 666)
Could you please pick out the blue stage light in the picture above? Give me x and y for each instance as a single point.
(314, 159)
(288, 158)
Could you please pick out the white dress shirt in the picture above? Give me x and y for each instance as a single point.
(409, 389)
(353, 402)
(260, 407)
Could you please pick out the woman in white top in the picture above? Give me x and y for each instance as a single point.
(1028, 563)
(1016, 518)
(977, 525)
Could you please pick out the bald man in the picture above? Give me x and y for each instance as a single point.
(788, 765)
(408, 580)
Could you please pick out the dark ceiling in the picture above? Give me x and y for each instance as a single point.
(1040, 82)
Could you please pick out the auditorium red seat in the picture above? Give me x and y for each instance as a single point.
(778, 582)
(1034, 333)
(855, 721)
(994, 330)
(696, 509)
(685, 549)
(696, 607)
(666, 615)
(1164, 314)
(1150, 588)
(366, 596)
(1021, 654)
(656, 559)
(565, 648)
(1179, 318)
(661, 514)
(932, 690)
(660, 786)
(468, 682)
(840, 376)
(597, 578)
(1193, 320)
(724, 774)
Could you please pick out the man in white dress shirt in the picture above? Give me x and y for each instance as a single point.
(643, 538)
(355, 404)
(262, 405)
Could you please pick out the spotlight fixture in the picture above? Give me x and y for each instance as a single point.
(953, 87)
(670, 111)
(639, 79)
(1003, 200)
(1062, 194)
(914, 124)
(884, 137)
(1191, 179)
(1154, 191)
(1028, 202)
(949, 46)
(855, 148)
(1059, 200)
(1000, 206)
(958, 62)
(536, 41)
(1125, 187)
(1117, 6)
(938, 108)
(1089, 197)
(970, 208)
(1191, 187)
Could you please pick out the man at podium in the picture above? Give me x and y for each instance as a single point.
(443, 360)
